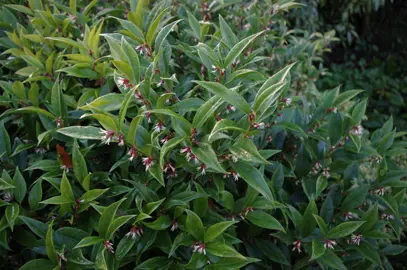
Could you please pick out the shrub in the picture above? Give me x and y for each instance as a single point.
(175, 144)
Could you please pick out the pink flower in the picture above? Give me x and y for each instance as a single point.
(120, 140)
(386, 216)
(132, 153)
(159, 127)
(287, 101)
(318, 165)
(124, 82)
(186, 150)
(165, 140)
(330, 244)
(355, 239)
(269, 139)
(248, 210)
(199, 247)
(230, 108)
(148, 115)
(140, 49)
(60, 122)
(258, 125)
(380, 191)
(297, 246)
(40, 150)
(161, 82)
(350, 215)
(139, 96)
(174, 226)
(356, 130)
(134, 232)
(326, 172)
(202, 168)
(235, 175)
(148, 162)
(109, 246)
(168, 167)
(193, 158)
(64, 168)
(107, 136)
(7, 197)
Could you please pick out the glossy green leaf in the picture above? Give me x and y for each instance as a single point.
(78, 132)
(107, 103)
(152, 29)
(247, 151)
(168, 146)
(205, 153)
(5, 185)
(38, 264)
(224, 125)
(317, 249)
(254, 178)
(12, 212)
(194, 225)
(222, 250)
(206, 110)
(344, 229)
(116, 224)
(237, 50)
(89, 241)
(79, 163)
(227, 95)
(21, 186)
(264, 220)
(216, 230)
(107, 218)
(49, 245)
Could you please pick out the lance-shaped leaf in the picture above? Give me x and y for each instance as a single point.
(132, 59)
(228, 95)
(223, 125)
(167, 147)
(217, 229)
(264, 220)
(246, 150)
(49, 245)
(77, 132)
(344, 229)
(277, 78)
(58, 101)
(131, 133)
(152, 29)
(206, 110)
(206, 155)
(107, 218)
(107, 103)
(105, 120)
(29, 109)
(79, 164)
(162, 35)
(237, 50)
(268, 97)
(254, 178)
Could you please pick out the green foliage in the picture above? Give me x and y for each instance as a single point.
(159, 136)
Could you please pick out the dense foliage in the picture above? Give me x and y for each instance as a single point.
(186, 135)
(370, 54)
